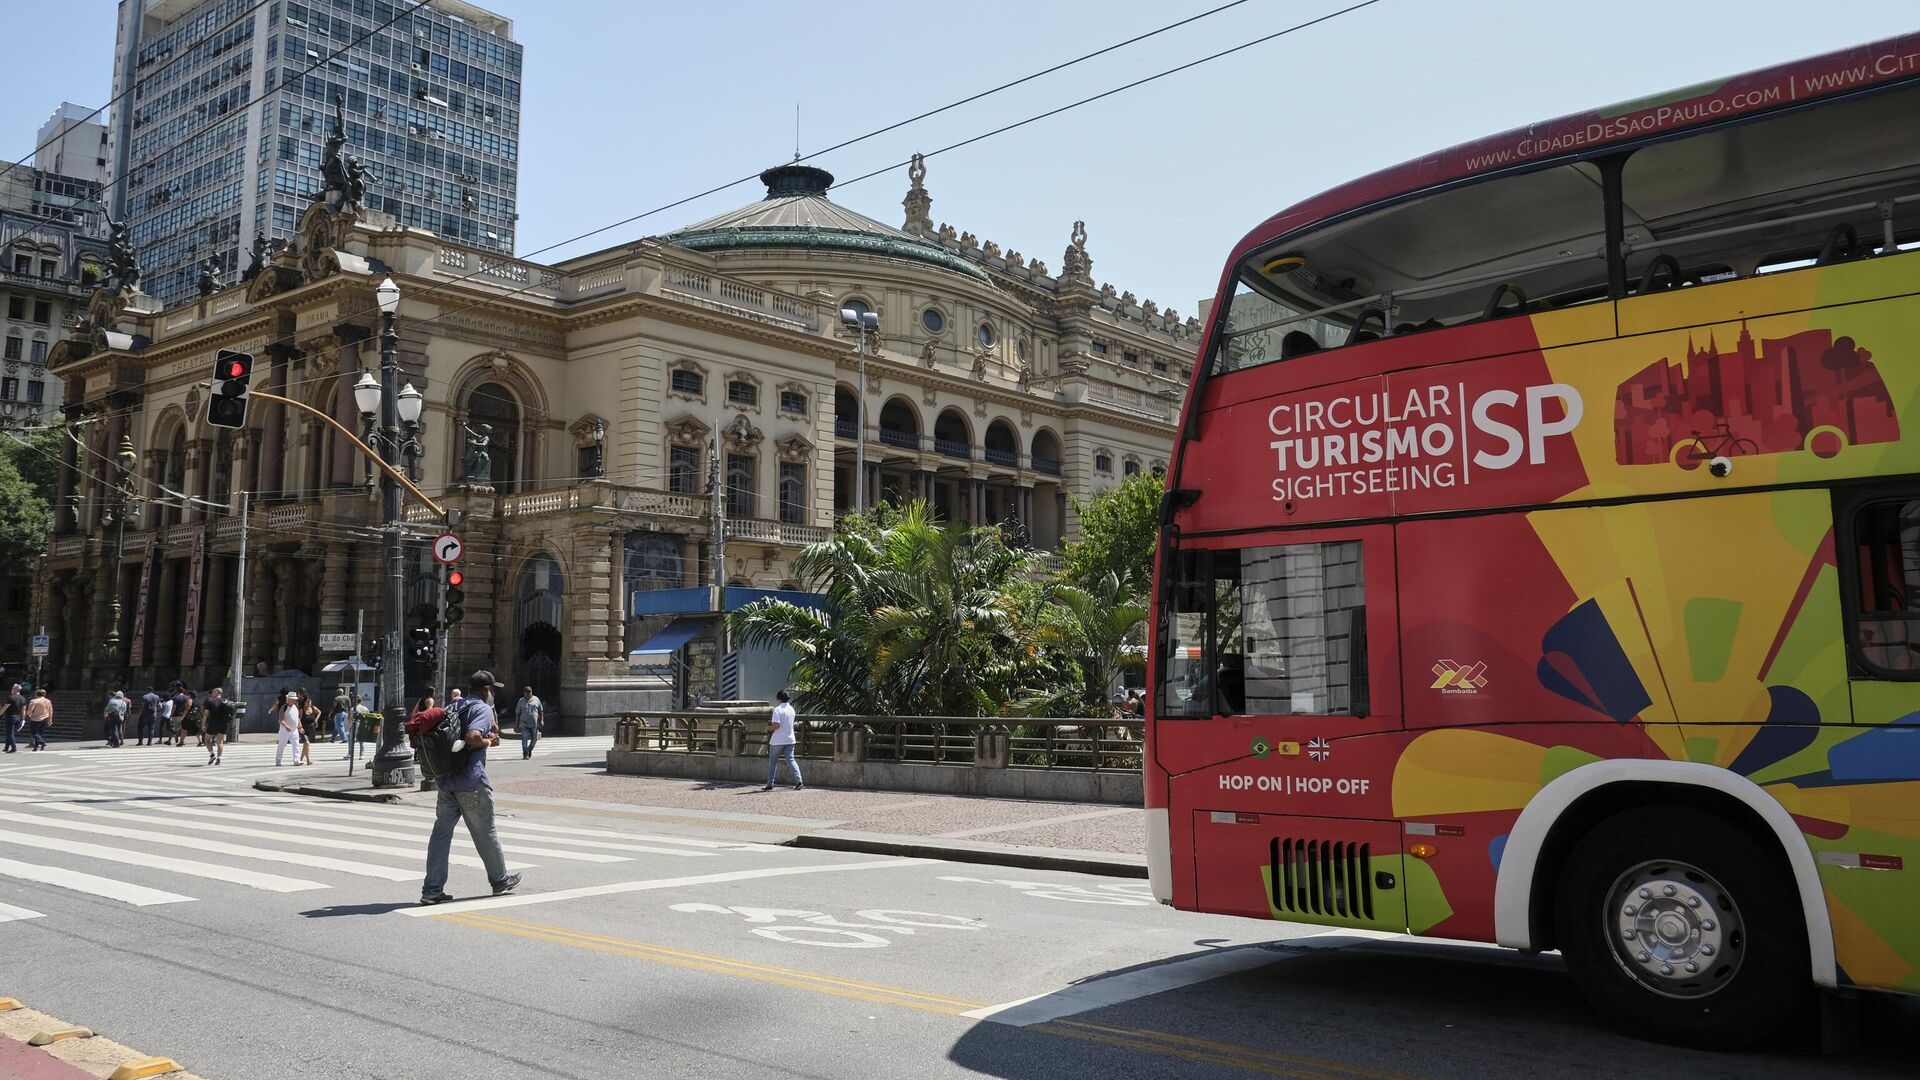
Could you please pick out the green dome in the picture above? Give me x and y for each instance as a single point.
(797, 214)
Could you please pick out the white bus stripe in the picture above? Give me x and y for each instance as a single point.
(125, 892)
(251, 879)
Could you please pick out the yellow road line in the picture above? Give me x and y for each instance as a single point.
(1231, 1049)
(1271, 1063)
(719, 965)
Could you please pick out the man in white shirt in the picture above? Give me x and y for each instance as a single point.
(287, 712)
(780, 744)
(527, 715)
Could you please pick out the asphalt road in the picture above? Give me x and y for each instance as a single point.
(248, 935)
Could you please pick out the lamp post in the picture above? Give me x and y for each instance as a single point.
(392, 765)
(862, 322)
(124, 461)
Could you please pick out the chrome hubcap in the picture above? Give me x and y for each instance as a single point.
(1675, 930)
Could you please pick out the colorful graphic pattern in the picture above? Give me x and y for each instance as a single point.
(1705, 630)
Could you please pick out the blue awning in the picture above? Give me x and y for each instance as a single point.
(674, 635)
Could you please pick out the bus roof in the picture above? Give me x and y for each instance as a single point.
(1889, 61)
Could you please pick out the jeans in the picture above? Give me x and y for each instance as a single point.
(339, 727)
(529, 734)
(9, 725)
(39, 733)
(144, 731)
(477, 808)
(778, 754)
(116, 725)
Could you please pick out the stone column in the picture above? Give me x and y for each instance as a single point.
(259, 642)
(1023, 503)
(1059, 516)
(273, 447)
(333, 585)
(216, 613)
(163, 615)
(873, 482)
(923, 485)
(286, 584)
(63, 518)
(978, 501)
(198, 452)
(345, 464)
(242, 466)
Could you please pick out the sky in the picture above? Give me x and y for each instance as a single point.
(632, 104)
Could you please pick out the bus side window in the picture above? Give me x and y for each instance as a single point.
(1886, 554)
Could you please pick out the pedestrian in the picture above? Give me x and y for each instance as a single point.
(115, 714)
(214, 720)
(149, 717)
(1134, 708)
(342, 709)
(425, 717)
(178, 706)
(465, 794)
(39, 713)
(780, 744)
(527, 715)
(287, 718)
(15, 717)
(309, 723)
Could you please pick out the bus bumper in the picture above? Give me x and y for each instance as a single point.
(1159, 854)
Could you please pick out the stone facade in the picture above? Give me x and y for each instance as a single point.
(607, 385)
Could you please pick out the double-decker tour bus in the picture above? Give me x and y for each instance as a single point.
(1540, 562)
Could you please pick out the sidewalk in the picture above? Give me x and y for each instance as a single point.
(1090, 838)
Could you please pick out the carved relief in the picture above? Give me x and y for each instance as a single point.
(794, 448)
(926, 354)
(687, 430)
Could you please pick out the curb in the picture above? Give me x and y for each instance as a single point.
(35, 1046)
(327, 793)
(1105, 863)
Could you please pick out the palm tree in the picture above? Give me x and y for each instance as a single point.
(1099, 627)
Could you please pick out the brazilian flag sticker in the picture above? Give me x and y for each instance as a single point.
(1261, 748)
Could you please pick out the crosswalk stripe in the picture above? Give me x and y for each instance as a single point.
(174, 813)
(123, 891)
(216, 847)
(9, 913)
(505, 824)
(506, 830)
(250, 878)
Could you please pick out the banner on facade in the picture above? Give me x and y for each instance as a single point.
(139, 652)
(196, 575)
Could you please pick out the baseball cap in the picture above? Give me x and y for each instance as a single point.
(484, 677)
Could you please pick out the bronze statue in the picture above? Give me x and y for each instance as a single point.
(478, 467)
(122, 261)
(212, 275)
(344, 175)
(258, 260)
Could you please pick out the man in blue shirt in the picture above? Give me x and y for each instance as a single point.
(464, 793)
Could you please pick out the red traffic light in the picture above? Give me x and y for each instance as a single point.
(455, 578)
(235, 369)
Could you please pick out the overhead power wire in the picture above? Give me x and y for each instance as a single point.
(531, 284)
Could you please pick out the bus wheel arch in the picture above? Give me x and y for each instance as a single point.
(1573, 804)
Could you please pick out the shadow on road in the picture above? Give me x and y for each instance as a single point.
(356, 909)
(1399, 1008)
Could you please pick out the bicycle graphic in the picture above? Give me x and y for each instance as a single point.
(1693, 452)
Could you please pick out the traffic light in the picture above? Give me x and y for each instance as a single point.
(455, 579)
(422, 645)
(232, 376)
(375, 651)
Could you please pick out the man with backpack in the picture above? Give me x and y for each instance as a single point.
(455, 749)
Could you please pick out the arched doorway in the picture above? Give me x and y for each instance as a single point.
(538, 617)
(496, 406)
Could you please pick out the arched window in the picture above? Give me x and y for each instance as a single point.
(495, 406)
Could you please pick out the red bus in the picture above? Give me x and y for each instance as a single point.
(1541, 554)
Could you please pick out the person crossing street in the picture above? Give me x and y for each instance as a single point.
(15, 716)
(214, 719)
(464, 793)
(528, 713)
(39, 715)
(287, 714)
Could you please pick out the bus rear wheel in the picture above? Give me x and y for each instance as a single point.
(1679, 926)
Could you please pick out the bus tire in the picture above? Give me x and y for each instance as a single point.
(1717, 956)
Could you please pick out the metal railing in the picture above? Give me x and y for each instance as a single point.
(951, 447)
(1077, 744)
(846, 429)
(907, 439)
(1009, 458)
(1050, 466)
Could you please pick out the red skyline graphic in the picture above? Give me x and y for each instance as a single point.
(1804, 392)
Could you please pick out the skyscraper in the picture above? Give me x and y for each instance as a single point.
(221, 138)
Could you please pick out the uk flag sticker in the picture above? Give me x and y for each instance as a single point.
(1319, 749)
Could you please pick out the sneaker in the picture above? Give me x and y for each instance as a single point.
(769, 787)
(507, 886)
(799, 787)
(436, 898)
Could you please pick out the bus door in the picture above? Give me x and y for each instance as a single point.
(1282, 650)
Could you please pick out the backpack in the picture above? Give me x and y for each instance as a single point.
(436, 745)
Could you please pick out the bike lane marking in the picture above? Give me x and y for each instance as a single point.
(491, 903)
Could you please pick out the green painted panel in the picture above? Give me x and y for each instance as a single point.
(1711, 624)
(1560, 760)
(1389, 905)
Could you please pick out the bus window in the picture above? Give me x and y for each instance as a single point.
(1268, 631)
(1502, 246)
(1886, 540)
(1793, 190)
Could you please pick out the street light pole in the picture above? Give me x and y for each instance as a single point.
(125, 460)
(861, 322)
(392, 764)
